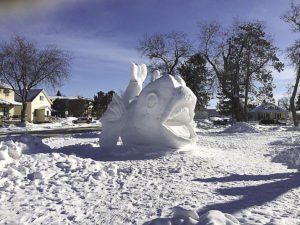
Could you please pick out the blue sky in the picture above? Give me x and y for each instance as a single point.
(102, 35)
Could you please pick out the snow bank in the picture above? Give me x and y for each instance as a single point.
(241, 127)
(293, 128)
(32, 144)
(291, 141)
(190, 217)
(203, 124)
(290, 157)
(68, 121)
(12, 149)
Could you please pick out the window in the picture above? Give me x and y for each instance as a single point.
(6, 92)
(41, 98)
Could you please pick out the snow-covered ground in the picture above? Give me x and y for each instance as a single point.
(248, 172)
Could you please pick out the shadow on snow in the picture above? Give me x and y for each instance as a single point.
(118, 153)
(252, 195)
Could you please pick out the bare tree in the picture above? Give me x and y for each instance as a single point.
(216, 47)
(241, 57)
(284, 103)
(293, 18)
(166, 51)
(23, 66)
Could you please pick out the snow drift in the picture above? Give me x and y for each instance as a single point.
(13, 149)
(241, 127)
(291, 156)
(190, 217)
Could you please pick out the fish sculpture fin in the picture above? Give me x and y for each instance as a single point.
(134, 88)
(112, 123)
(180, 80)
(155, 75)
(114, 110)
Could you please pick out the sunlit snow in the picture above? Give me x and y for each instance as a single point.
(228, 177)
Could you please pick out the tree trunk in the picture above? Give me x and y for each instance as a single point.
(247, 83)
(238, 110)
(23, 112)
(292, 99)
(247, 87)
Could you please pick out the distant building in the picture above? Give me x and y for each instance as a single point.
(7, 101)
(268, 111)
(63, 106)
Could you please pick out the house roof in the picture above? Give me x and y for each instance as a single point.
(44, 107)
(5, 102)
(69, 98)
(268, 107)
(4, 85)
(31, 95)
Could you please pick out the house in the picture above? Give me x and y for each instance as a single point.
(38, 109)
(268, 111)
(63, 106)
(7, 101)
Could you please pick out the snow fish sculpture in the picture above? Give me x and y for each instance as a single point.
(160, 114)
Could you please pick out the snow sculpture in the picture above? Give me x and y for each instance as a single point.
(160, 114)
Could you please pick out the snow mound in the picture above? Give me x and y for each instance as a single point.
(291, 141)
(32, 144)
(293, 128)
(11, 150)
(241, 127)
(190, 217)
(290, 157)
(204, 123)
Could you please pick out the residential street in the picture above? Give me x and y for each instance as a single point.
(53, 132)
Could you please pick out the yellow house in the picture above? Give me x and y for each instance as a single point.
(7, 101)
(38, 109)
(268, 111)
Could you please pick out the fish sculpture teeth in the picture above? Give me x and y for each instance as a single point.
(157, 114)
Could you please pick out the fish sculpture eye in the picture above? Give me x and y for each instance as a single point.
(152, 100)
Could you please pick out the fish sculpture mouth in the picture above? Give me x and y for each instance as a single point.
(179, 123)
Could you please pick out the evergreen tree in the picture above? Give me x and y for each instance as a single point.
(198, 79)
(58, 93)
(101, 101)
(224, 106)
